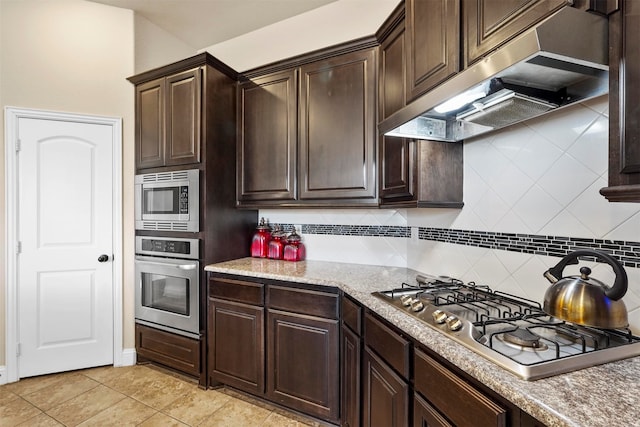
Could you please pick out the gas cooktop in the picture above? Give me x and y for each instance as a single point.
(513, 332)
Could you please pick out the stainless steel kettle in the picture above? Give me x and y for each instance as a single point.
(584, 300)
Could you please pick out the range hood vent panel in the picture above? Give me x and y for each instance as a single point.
(567, 54)
(507, 112)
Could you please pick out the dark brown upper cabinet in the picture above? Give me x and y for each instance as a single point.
(337, 128)
(396, 171)
(490, 23)
(168, 120)
(307, 130)
(432, 43)
(417, 173)
(624, 110)
(267, 138)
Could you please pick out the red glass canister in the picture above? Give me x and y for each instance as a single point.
(260, 241)
(276, 244)
(294, 250)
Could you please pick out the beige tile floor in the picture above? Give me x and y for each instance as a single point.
(131, 396)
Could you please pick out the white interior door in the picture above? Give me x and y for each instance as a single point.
(65, 294)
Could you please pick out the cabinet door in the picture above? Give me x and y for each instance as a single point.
(236, 345)
(183, 113)
(302, 363)
(267, 138)
(433, 42)
(351, 357)
(490, 23)
(424, 415)
(624, 110)
(386, 395)
(395, 166)
(150, 117)
(391, 83)
(338, 128)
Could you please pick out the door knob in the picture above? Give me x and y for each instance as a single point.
(103, 258)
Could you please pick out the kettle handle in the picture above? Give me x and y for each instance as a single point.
(620, 284)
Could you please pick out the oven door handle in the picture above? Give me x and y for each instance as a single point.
(180, 266)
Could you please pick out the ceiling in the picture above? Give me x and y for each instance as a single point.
(203, 23)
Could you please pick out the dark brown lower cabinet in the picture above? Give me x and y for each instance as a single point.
(171, 350)
(386, 394)
(454, 398)
(237, 359)
(424, 415)
(302, 363)
(236, 337)
(350, 378)
(278, 341)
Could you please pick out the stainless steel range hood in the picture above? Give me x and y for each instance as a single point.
(562, 60)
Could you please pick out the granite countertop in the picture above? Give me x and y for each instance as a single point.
(605, 395)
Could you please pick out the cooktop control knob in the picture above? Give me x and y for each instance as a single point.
(417, 305)
(439, 316)
(406, 300)
(454, 323)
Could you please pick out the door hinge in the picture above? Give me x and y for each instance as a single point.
(18, 145)
(18, 349)
(18, 247)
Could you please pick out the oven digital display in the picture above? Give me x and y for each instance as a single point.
(166, 246)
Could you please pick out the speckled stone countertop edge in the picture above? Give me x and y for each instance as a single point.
(573, 399)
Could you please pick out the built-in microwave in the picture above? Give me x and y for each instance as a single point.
(168, 201)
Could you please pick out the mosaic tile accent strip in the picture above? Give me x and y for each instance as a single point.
(357, 230)
(628, 253)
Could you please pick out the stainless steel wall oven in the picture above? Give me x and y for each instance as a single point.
(167, 284)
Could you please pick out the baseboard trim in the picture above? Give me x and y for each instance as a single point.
(129, 357)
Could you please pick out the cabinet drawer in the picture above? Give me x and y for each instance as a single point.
(352, 315)
(171, 350)
(388, 344)
(470, 407)
(304, 301)
(236, 290)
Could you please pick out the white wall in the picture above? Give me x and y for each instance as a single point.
(73, 56)
(334, 23)
(154, 47)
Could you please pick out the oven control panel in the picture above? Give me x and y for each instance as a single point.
(168, 247)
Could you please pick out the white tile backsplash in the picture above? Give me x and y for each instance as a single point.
(538, 177)
(600, 216)
(590, 150)
(536, 208)
(566, 179)
(536, 156)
